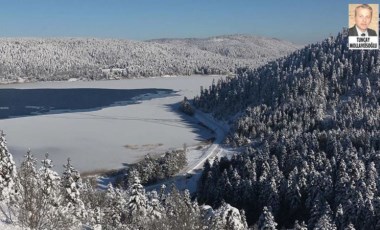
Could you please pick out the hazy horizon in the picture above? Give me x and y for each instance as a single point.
(297, 22)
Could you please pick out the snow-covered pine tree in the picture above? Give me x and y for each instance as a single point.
(31, 204)
(71, 184)
(55, 214)
(299, 226)
(155, 208)
(8, 176)
(266, 220)
(228, 217)
(114, 210)
(181, 212)
(325, 222)
(137, 203)
(293, 193)
(339, 217)
(93, 199)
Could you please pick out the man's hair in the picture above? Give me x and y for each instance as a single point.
(364, 6)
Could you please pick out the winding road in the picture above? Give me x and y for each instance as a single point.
(188, 177)
(214, 149)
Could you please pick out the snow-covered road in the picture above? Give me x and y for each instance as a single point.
(220, 131)
(188, 177)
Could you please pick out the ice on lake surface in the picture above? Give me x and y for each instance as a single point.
(105, 134)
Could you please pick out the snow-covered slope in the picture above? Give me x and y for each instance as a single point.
(37, 59)
(237, 46)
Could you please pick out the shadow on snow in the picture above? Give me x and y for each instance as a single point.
(204, 133)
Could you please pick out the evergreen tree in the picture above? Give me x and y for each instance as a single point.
(137, 203)
(114, 212)
(228, 217)
(55, 214)
(31, 200)
(8, 173)
(155, 208)
(298, 226)
(71, 184)
(325, 222)
(339, 217)
(266, 220)
(181, 212)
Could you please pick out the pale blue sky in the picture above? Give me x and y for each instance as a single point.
(297, 21)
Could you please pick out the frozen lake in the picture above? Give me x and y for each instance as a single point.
(102, 124)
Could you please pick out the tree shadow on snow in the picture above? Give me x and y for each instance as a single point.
(204, 134)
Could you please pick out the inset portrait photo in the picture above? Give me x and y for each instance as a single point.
(363, 26)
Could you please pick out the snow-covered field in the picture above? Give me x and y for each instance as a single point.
(109, 137)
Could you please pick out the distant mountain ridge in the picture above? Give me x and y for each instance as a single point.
(45, 59)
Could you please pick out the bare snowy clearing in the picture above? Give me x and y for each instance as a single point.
(112, 136)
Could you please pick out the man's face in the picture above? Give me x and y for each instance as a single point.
(363, 18)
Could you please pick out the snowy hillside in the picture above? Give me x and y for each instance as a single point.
(309, 125)
(237, 46)
(37, 59)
